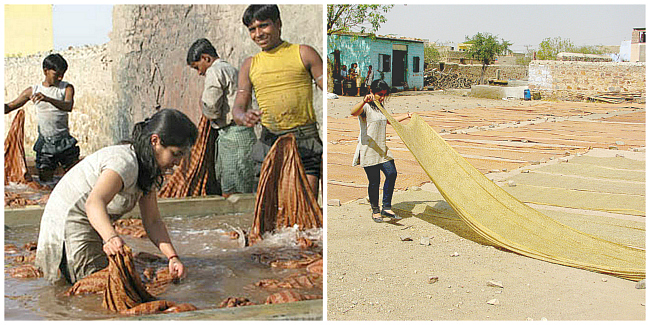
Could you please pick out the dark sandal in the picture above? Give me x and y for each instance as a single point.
(393, 216)
(375, 210)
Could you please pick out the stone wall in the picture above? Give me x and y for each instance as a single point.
(473, 71)
(559, 79)
(150, 43)
(144, 66)
(90, 73)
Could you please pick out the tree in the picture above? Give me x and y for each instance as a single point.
(431, 54)
(356, 18)
(550, 47)
(485, 48)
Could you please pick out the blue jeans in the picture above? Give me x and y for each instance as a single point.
(388, 168)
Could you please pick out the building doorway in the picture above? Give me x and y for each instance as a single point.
(399, 68)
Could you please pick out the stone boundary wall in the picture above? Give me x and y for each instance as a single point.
(94, 102)
(144, 65)
(565, 79)
(150, 43)
(473, 71)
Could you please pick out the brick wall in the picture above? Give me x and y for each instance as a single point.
(562, 79)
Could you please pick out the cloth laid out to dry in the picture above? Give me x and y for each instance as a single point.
(193, 178)
(505, 221)
(284, 197)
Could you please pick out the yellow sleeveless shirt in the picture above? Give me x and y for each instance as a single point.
(282, 87)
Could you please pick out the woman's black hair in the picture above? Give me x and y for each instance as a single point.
(376, 86)
(261, 13)
(174, 129)
(200, 46)
(55, 62)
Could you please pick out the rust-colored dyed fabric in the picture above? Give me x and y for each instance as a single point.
(94, 283)
(26, 271)
(284, 197)
(124, 289)
(235, 302)
(15, 163)
(286, 296)
(194, 179)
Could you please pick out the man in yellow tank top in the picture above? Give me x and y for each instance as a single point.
(281, 76)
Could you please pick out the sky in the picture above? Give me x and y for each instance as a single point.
(522, 25)
(77, 25)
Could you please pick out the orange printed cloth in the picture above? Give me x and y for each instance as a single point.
(284, 197)
(15, 163)
(124, 289)
(194, 178)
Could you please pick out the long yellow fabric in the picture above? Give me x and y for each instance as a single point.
(505, 221)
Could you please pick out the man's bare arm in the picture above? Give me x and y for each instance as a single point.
(20, 101)
(240, 112)
(313, 63)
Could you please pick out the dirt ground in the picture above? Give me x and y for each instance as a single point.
(447, 272)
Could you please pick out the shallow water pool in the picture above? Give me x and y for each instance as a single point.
(217, 268)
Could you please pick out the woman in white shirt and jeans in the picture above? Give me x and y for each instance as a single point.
(372, 153)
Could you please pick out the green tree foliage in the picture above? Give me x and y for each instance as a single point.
(431, 54)
(485, 48)
(550, 47)
(355, 18)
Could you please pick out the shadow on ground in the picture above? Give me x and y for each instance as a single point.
(439, 213)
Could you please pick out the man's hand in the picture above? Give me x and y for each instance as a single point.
(37, 97)
(248, 118)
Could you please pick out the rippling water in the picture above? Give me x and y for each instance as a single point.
(217, 268)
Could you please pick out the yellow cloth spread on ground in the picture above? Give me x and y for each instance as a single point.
(505, 221)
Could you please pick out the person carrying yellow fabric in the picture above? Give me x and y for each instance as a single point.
(281, 76)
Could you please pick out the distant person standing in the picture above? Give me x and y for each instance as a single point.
(233, 165)
(370, 76)
(53, 99)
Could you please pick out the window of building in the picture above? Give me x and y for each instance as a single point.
(416, 64)
(384, 63)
